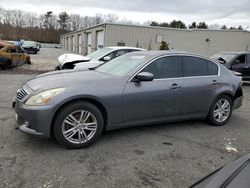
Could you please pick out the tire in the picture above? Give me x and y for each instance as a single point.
(219, 116)
(6, 65)
(87, 130)
(28, 62)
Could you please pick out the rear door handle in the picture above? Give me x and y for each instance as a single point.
(175, 86)
(214, 82)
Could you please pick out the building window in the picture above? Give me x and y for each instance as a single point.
(159, 38)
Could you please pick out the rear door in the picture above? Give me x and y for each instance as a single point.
(158, 99)
(200, 79)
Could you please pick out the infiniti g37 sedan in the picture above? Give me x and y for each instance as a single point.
(135, 89)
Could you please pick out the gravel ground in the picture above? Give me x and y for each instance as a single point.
(171, 155)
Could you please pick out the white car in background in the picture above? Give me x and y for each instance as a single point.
(75, 61)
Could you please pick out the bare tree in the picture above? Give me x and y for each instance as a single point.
(111, 18)
(75, 21)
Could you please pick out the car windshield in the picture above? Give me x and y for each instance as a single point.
(28, 43)
(224, 56)
(99, 53)
(122, 65)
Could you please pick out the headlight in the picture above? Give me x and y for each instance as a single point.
(44, 97)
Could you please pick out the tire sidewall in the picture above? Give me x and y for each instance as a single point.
(68, 109)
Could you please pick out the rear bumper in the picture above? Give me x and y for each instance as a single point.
(238, 102)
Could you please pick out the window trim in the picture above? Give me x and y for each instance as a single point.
(181, 77)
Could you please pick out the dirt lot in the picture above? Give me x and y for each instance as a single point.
(171, 155)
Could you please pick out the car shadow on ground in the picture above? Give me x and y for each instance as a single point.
(114, 135)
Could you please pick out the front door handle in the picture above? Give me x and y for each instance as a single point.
(175, 86)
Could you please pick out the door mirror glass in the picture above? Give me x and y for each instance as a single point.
(107, 58)
(145, 76)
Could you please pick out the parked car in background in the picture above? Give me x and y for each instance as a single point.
(70, 61)
(236, 61)
(232, 175)
(138, 88)
(12, 55)
(30, 47)
(38, 46)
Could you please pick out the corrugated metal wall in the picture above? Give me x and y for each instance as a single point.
(205, 42)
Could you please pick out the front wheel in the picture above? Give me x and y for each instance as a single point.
(220, 111)
(78, 125)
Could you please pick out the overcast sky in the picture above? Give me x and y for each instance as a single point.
(228, 12)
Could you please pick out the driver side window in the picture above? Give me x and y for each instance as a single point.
(165, 67)
(240, 60)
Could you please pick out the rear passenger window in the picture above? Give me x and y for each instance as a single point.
(194, 66)
(166, 67)
(212, 68)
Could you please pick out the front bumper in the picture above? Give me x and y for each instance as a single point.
(34, 120)
(238, 102)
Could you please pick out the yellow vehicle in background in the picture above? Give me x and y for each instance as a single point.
(12, 55)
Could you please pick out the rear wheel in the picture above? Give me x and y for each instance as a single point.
(78, 125)
(220, 111)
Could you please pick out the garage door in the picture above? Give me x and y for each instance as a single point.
(100, 40)
(79, 44)
(89, 43)
(73, 43)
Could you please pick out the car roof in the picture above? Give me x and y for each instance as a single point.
(124, 47)
(166, 52)
(234, 52)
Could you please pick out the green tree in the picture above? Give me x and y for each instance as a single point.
(164, 45)
(178, 24)
(47, 23)
(63, 20)
(202, 25)
(154, 24)
(193, 25)
(240, 28)
(224, 27)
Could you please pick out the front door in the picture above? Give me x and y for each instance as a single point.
(242, 65)
(158, 99)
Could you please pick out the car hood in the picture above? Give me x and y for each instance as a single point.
(69, 78)
(87, 65)
(28, 46)
(66, 58)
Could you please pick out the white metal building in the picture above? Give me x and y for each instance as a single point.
(201, 41)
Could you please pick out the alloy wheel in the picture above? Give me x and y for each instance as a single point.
(79, 126)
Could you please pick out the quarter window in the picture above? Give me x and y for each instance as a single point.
(166, 67)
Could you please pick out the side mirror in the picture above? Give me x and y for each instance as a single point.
(144, 76)
(107, 58)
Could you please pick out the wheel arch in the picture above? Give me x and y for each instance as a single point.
(93, 101)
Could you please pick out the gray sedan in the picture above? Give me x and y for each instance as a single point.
(136, 89)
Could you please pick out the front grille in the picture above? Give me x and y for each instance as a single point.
(21, 94)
